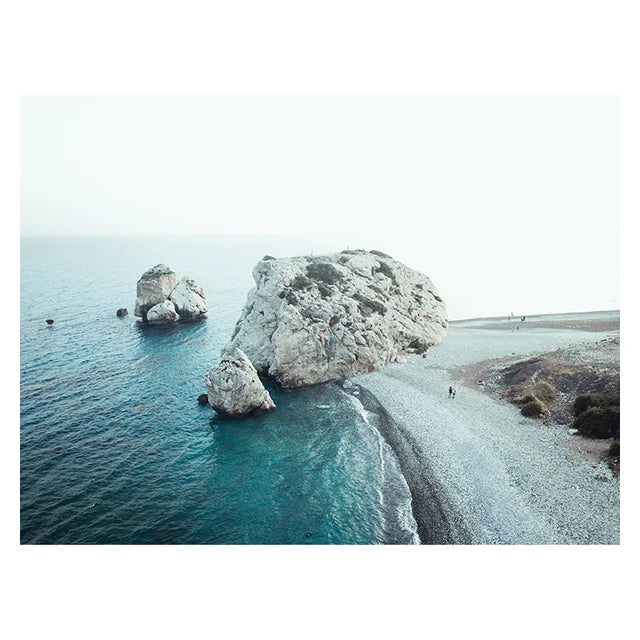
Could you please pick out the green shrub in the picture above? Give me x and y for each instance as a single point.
(599, 422)
(528, 398)
(614, 449)
(323, 272)
(369, 306)
(267, 257)
(582, 403)
(300, 282)
(532, 409)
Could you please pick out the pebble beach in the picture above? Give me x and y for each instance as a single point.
(479, 472)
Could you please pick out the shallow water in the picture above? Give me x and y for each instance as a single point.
(115, 448)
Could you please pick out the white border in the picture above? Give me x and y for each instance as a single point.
(330, 48)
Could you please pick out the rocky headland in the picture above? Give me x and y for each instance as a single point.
(311, 319)
(162, 298)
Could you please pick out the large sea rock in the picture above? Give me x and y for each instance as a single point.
(162, 298)
(311, 319)
(234, 388)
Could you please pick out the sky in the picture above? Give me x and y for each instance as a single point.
(507, 204)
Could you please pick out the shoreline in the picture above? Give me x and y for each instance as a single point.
(432, 513)
(478, 471)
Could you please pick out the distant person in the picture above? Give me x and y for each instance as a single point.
(518, 328)
(450, 391)
(454, 394)
(524, 318)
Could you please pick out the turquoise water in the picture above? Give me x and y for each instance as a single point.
(116, 450)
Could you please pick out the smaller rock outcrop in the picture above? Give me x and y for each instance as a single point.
(234, 388)
(189, 299)
(121, 313)
(203, 399)
(154, 287)
(49, 322)
(162, 298)
(162, 313)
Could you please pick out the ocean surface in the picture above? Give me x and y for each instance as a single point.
(115, 449)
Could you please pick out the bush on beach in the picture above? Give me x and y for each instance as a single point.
(584, 402)
(599, 422)
(533, 408)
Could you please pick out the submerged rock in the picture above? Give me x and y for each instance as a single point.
(203, 398)
(311, 319)
(49, 321)
(153, 288)
(189, 299)
(121, 313)
(162, 313)
(234, 388)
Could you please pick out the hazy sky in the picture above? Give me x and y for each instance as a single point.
(507, 204)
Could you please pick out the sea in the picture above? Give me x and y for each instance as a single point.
(114, 447)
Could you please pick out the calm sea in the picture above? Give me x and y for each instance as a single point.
(114, 448)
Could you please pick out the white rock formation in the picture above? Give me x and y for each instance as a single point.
(159, 291)
(316, 318)
(234, 388)
(154, 287)
(189, 299)
(162, 313)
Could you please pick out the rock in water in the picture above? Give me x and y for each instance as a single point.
(189, 299)
(162, 313)
(121, 313)
(234, 388)
(49, 321)
(203, 398)
(154, 287)
(311, 319)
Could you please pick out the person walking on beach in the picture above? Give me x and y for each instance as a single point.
(450, 391)
(454, 394)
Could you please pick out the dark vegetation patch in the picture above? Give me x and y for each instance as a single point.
(438, 298)
(419, 345)
(385, 270)
(418, 298)
(614, 449)
(300, 282)
(532, 409)
(352, 252)
(267, 257)
(377, 289)
(586, 401)
(597, 415)
(369, 306)
(599, 422)
(380, 254)
(292, 298)
(323, 272)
